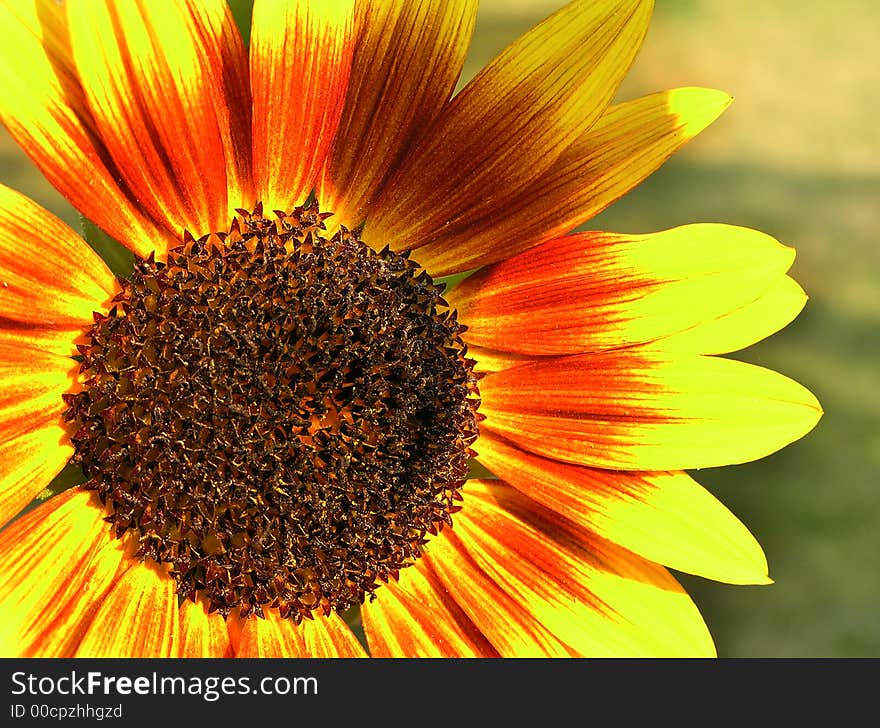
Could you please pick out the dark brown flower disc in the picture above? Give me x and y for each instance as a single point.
(281, 418)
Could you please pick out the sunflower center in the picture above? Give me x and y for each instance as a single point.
(281, 418)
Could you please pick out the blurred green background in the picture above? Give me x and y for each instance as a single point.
(797, 156)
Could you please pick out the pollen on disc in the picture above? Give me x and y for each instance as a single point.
(282, 418)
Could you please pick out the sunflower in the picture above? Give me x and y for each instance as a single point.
(288, 420)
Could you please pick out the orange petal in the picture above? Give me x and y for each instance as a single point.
(61, 636)
(202, 634)
(44, 107)
(505, 129)
(277, 637)
(639, 409)
(506, 620)
(629, 142)
(50, 280)
(417, 617)
(599, 599)
(598, 291)
(300, 60)
(153, 99)
(34, 442)
(55, 562)
(139, 617)
(665, 517)
(406, 63)
(489, 360)
(226, 62)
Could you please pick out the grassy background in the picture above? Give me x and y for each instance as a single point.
(797, 156)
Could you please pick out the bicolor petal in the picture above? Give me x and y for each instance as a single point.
(45, 108)
(58, 563)
(507, 620)
(34, 440)
(406, 63)
(50, 280)
(300, 61)
(417, 617)
(139, 617)
(153, 99)
(599, 291)
(225, 57)
(505, 129)
(627, 144)
(599, 599)
(665, 517)
(639, 409)
(273, 636)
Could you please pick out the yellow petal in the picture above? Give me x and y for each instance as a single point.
(139, 617)
(417, 617)
(56, 564)
(328, 636)
(202, 634)
(639, 409)
(34, 441)
(505, 129)
(599, 291)
(62, 635)
(152, 98)
(44, 107)
(599, 599)
(665, 517)
(744, 326)
(50, 280)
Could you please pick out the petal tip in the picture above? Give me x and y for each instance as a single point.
(696, 108)
(758, 575)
